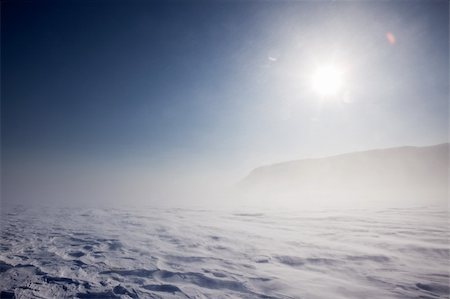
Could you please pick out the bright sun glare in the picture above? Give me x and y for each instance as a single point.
(327, 80)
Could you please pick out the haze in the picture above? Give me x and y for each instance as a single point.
(158, 101)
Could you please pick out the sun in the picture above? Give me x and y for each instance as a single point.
(327, 80)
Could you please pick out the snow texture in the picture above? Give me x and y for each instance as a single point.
(182, 253)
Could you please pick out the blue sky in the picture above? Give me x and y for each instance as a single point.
(204, 89)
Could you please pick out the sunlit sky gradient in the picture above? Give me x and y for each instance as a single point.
(179, 91)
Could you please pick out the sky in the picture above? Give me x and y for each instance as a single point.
(147, 99)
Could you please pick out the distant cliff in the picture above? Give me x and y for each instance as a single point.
(396, 174)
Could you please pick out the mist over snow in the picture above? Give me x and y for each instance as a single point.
(394, 177)
(261, 239)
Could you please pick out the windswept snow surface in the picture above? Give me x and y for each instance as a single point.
(182, 253)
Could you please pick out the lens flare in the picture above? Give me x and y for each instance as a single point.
(390, 38)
